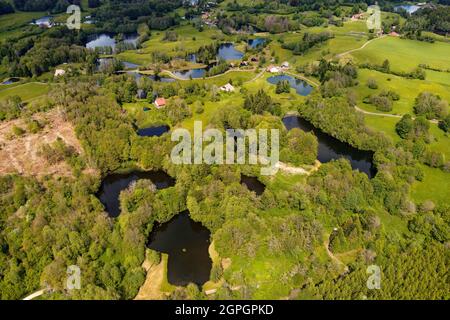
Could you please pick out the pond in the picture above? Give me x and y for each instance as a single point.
(193, 73)
(46, 21)
(113, 184)
(186, 242)
(332, 149)
(410, 8)
(153, 131)
(300, 86)
(138, 75)
(130, 65)
(10, 81)
(253, 184)
(130, 38)
(253, 43)
(101, 40)
(228, 52)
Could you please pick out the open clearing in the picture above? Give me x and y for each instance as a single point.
(405, 55)
(20, 154)
(26, 91)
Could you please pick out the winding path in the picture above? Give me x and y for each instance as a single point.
(387, 114)
(360, 48)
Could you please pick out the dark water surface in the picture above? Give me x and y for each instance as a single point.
(227, 51)
(300, 86)
(331, 148)
(153, 131)
(253, 184)
(186, 242)
(113, 184)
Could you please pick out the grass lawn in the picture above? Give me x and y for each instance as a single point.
(405, 55)
(151, 117)
(189, 40)
(10, 23)
(408, 89)
(383, 124)
(27, 91)
(435, 186)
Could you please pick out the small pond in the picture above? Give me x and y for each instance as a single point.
(253, 43)
(193, 73)
(153, 131)
(186, 242)
(300, 86)
(253, 184)
(10, 81)
(332, 149)
(227, 51)
(46, 21)
(410, 8)
(101, 40)
(113, 184)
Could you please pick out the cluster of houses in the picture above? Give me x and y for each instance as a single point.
(161, 102)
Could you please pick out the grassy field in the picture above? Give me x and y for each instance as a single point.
(189, 40)
(408, 89)
(435, 186)
(26, 92)
(351, 36)
(10, 24)
(436, 183)
(405, 55)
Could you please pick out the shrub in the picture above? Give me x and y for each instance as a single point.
(372, 84)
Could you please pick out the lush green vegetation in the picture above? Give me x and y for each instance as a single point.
(307, 236)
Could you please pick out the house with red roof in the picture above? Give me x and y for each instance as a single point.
(160, 102)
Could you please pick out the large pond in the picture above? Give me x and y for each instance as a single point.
(331, 148)
(253, 184)
(227, 51)
(153, 131)
(253, 43)
(300, 86)
(186, 242)
(410, 8)
(113, 184)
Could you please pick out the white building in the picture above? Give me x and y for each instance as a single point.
(274, 69)
(227, 88)
(60, 72)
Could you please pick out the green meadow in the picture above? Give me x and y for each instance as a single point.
(435, 186)
(408, 89)
(26, 92)
(404, 54)
(189, 40)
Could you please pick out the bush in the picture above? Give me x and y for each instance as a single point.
(372, 84)
(154, 257)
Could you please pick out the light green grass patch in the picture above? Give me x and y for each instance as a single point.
(408, 89)
(435, 186)
(27, 91)
(404, 54)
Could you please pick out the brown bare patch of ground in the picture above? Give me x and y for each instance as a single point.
(151, 289)
(20, 154)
